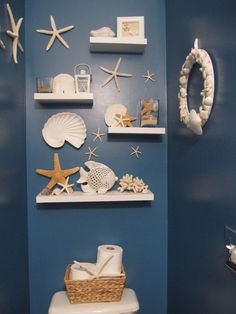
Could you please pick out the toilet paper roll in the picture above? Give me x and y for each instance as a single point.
(78, 273)
(109, 266)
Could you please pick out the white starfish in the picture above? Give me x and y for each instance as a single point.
(55, 33)
(136, 151)
(98, 135)
(14, 33)
(114, 75)
(66, 186)
(149, 76)
(91, 153)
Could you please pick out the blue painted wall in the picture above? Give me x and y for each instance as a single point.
(201, 170)
(60, 233)
(13, 205)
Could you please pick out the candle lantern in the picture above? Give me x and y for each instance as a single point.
(83, 77)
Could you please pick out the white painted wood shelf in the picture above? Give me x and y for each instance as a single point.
(136, 130)
(114, 44)
(81, 197)
(64, 98)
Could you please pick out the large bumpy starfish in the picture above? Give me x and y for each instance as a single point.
(124, 120)
(114, 75)
(55, 33)
(14, 33)
(57, 175)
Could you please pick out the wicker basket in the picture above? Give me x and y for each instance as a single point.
(102, 289)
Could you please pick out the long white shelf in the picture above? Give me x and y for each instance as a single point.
(111, 196)
(135, 130)
(114, 44)
(64, 98)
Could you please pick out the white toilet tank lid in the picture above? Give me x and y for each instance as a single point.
(61, 305)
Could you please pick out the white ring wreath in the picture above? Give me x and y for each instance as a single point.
(193, 120)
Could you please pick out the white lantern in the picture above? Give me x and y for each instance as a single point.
(83, 77)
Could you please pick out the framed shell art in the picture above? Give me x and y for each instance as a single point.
(130, 27)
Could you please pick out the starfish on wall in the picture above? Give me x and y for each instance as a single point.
(14, 33)
(55, 33)
(91, 153)
(124, 120)
(57, 175)
(114, 75)
(98, 135)
(149, 76)
(135, 151)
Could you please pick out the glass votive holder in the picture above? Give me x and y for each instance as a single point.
(44, 85)
(149, 112)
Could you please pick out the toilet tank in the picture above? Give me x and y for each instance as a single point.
(127, 305)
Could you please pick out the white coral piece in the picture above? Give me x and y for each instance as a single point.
(139, 186)
(136, 185)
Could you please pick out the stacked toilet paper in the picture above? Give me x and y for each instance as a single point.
(109, 263)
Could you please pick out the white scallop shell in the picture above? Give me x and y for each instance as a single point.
(111, 111)
(64, 126)
(63, 84)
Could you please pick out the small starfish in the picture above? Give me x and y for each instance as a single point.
(66, 186)
(124, 120)
(147, 107)
(14, 33)
(57, 175)
(55, 33)
(149, 76)
(98, 135)
(91, 153)
(114, 74)
(136, 151)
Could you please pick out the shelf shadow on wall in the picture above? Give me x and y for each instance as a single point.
(95, 206)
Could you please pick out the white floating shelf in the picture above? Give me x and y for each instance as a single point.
(64, 98)
(135, 130)
(81, 197)
(114, 44)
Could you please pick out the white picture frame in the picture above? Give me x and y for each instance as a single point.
(130, 27)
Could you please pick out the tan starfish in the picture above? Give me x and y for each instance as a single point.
(149, 76)
(14, 33)
(135, 151)
(124, 120)
(114, 75)
(66, 186)
(91, 153)
(57, 175)
(147, 107)
(55, 33)
(98, 135)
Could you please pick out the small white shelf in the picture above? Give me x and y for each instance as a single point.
(114, 44)
(64, 98)
(136, 130)
(81, 197)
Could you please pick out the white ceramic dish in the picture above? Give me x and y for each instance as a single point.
(64, 126)
(110, 114)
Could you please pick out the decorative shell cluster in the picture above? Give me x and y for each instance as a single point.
(195, 121)
(131, 184)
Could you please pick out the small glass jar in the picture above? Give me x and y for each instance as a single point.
(44, 85)
(149, 112)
